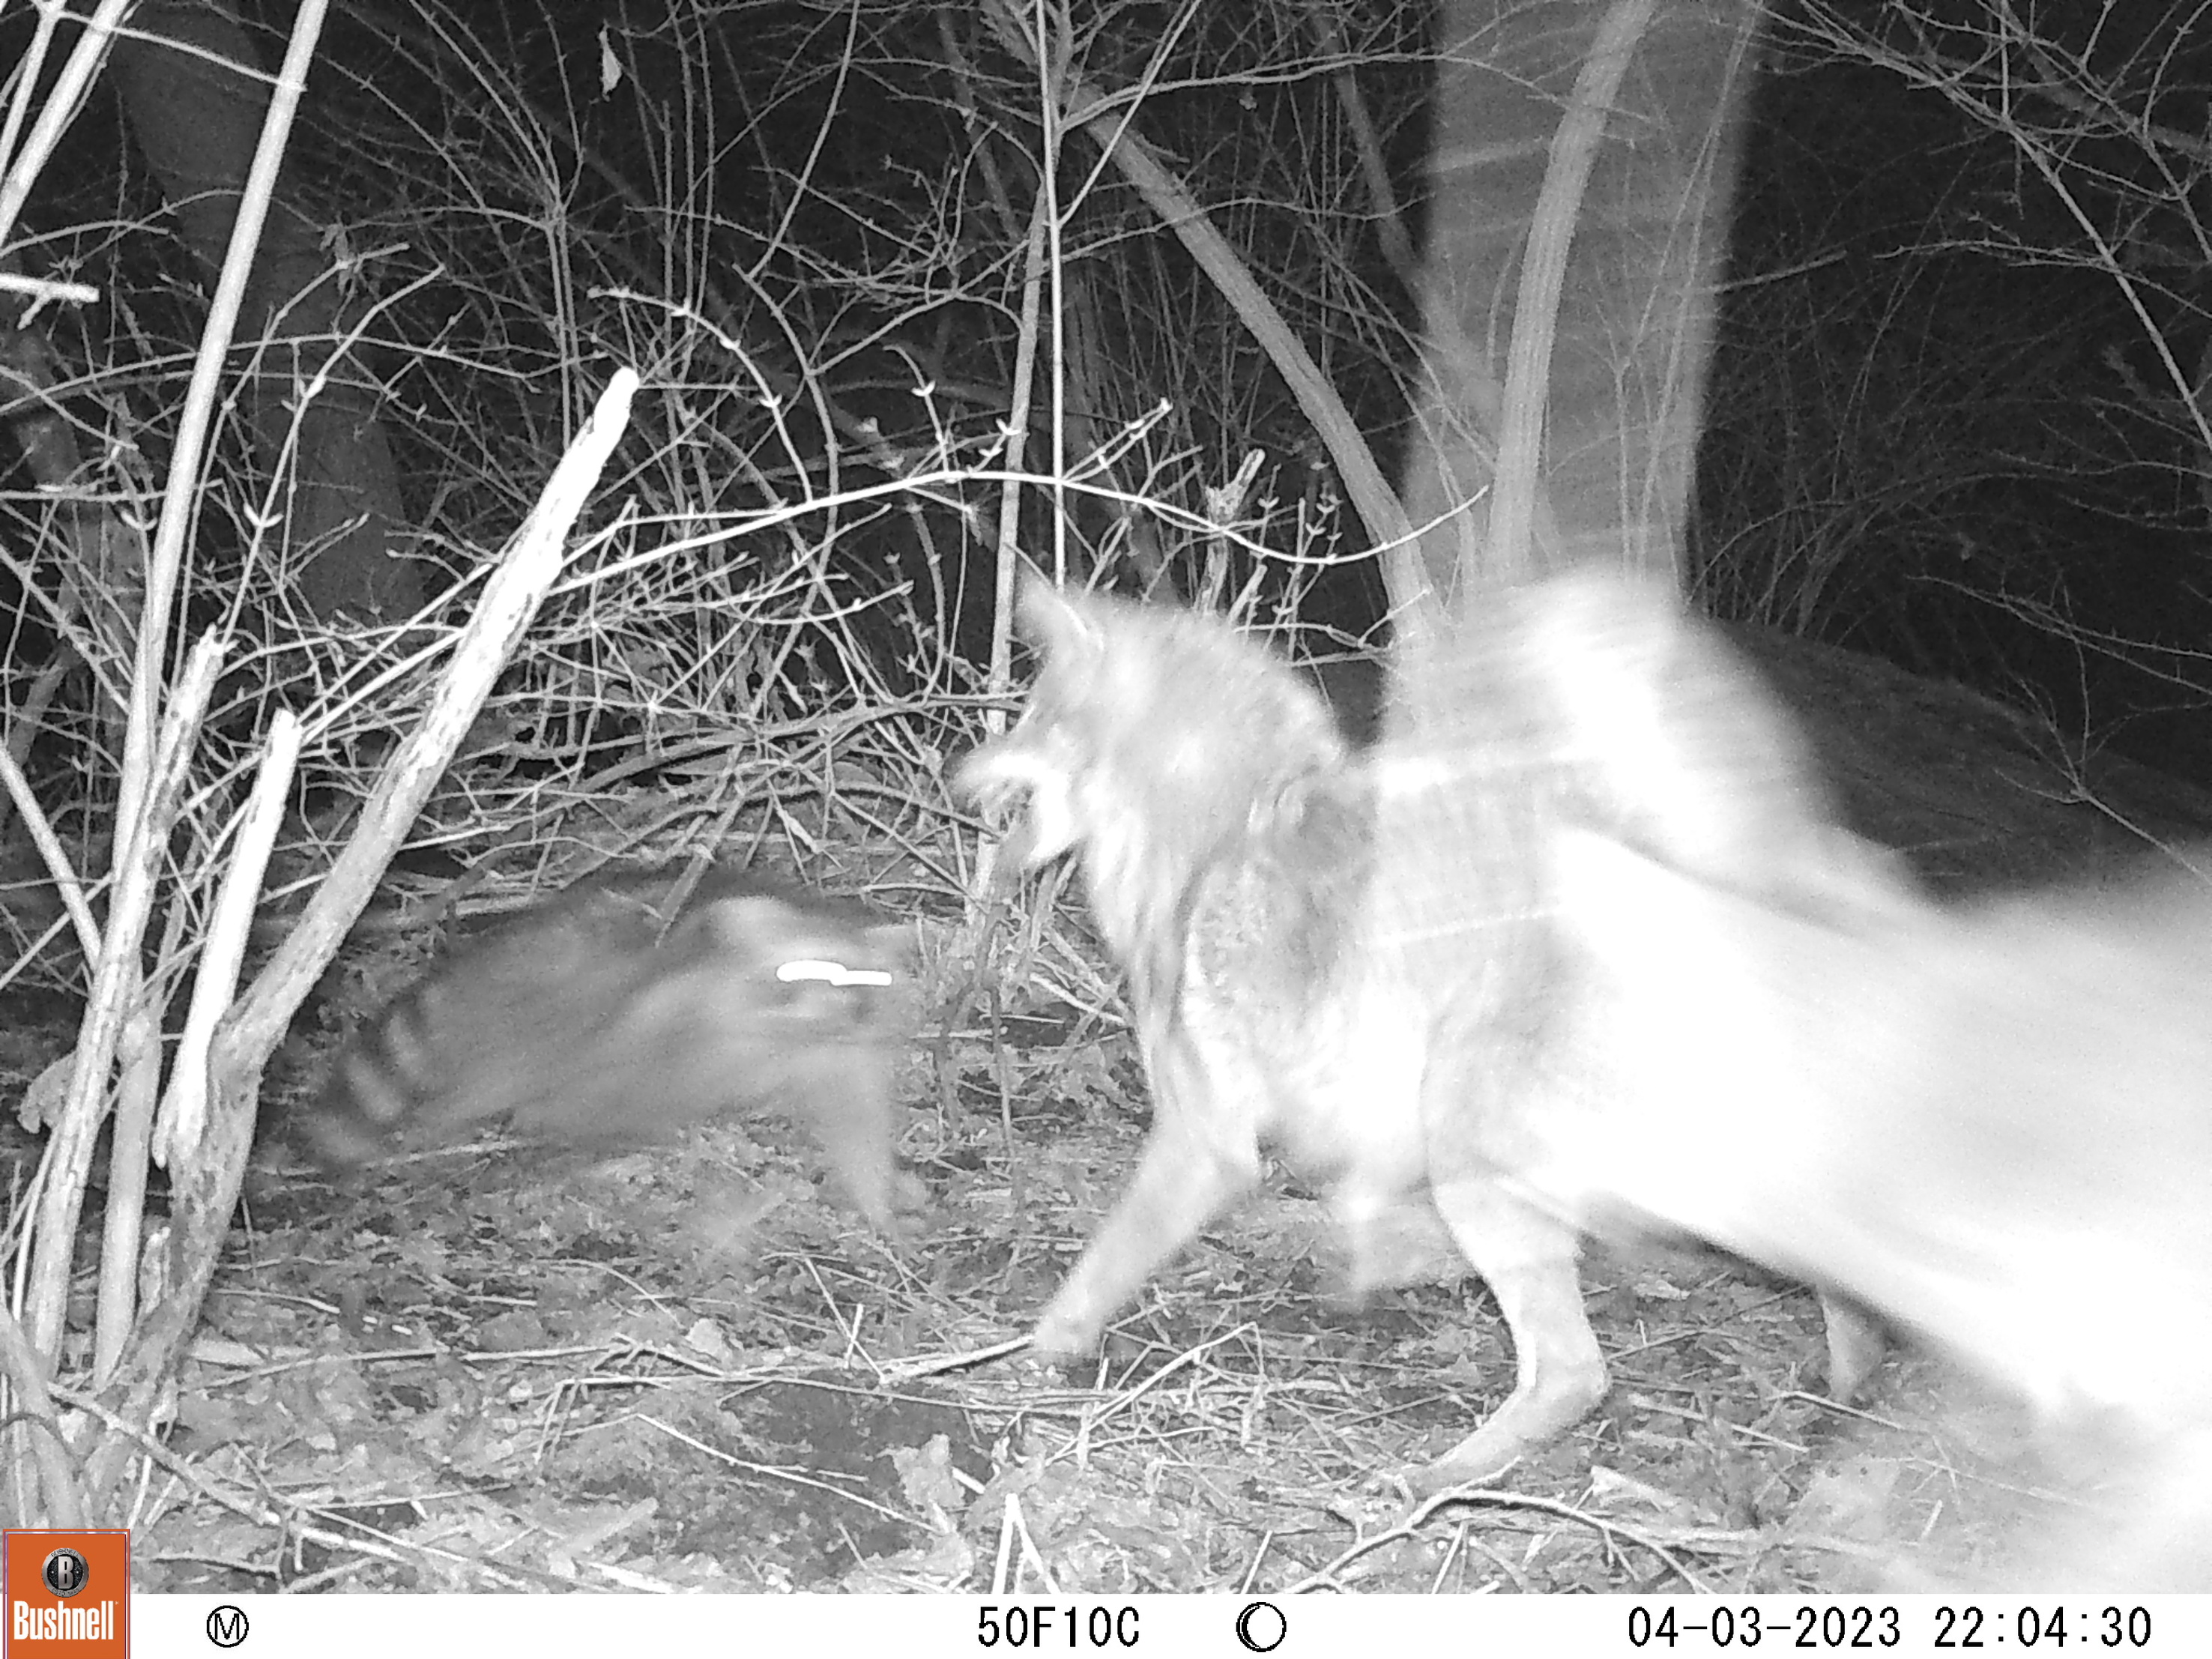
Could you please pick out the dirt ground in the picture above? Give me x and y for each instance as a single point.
(479, 1373)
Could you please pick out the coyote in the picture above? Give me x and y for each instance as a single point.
(598, 1018)
(1348, 957)
(1992, 1123)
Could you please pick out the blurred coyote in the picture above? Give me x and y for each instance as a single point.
(1348, 957)
(602, 1016)
(1992, 1123)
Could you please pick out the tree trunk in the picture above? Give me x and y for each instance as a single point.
(197, 120)
(1610, 476)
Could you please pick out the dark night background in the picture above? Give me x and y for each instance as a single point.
(1943, 423)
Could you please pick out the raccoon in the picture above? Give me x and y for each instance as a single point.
(1991, 1122)
(600, 1018)
(1348, 956)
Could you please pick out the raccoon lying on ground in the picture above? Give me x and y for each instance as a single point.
(1992, 1123)
(596, 1016)
(1347, 957)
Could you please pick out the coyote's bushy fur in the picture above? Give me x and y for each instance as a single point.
(1993, 1123)
(1348, 957)
(601, 1017)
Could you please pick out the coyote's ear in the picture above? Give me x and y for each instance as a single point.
(1057, 623)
